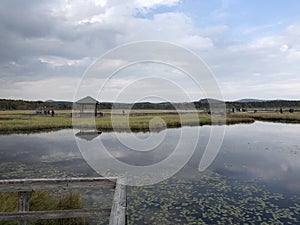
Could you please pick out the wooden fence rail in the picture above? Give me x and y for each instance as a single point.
(25, 186)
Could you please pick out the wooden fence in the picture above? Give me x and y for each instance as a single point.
(25, 186)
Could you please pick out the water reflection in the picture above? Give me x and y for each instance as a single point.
(87, 135)
(266, 152)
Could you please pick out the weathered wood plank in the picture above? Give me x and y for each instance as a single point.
(17, 185)
(55, 214)
(118, 210)
(23, 204)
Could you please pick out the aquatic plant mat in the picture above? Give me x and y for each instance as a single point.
(209, 198)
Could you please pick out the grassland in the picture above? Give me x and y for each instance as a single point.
(271, 117)
(27, 121)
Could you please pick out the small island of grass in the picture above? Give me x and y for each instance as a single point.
(24, 121)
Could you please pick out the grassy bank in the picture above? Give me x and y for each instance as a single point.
(28, 121)
(43, 200)
(270, 117)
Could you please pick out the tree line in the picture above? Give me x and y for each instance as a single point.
(6, 104)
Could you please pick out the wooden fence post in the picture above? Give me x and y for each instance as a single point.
(23, 204)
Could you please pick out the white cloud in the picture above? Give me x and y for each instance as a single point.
(196, 42)
(172, 27)
(60, 38)
(60, 61)
(266, 67)
(284, 48)
(49, 88)
(101, 3)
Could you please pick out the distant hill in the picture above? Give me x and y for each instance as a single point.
(6, 104)
(250, 100)
(212, 100)
(59, 102)
(63, 102)
(264, 104)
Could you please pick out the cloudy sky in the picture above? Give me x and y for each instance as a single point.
(252, 47)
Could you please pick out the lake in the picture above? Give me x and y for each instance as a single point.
(254, 178)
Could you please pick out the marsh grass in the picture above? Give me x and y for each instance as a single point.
(43, 200)
(27, 121)
(271, 117)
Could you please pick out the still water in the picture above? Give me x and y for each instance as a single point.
(254, 178)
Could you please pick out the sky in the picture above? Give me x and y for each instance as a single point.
(252, 48)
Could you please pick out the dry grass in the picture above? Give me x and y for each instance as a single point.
(15, 121)
(270, 116)
(27, 121)
(43, 200)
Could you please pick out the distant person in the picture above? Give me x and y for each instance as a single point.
(123, 113)
(281, 111)
(52, 113)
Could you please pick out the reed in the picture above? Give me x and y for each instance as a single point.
(26, 121)
(43, 200)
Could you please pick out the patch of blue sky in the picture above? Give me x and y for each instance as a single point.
(255, 19)
(149, 13)
(246, 20)
(201, 11)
